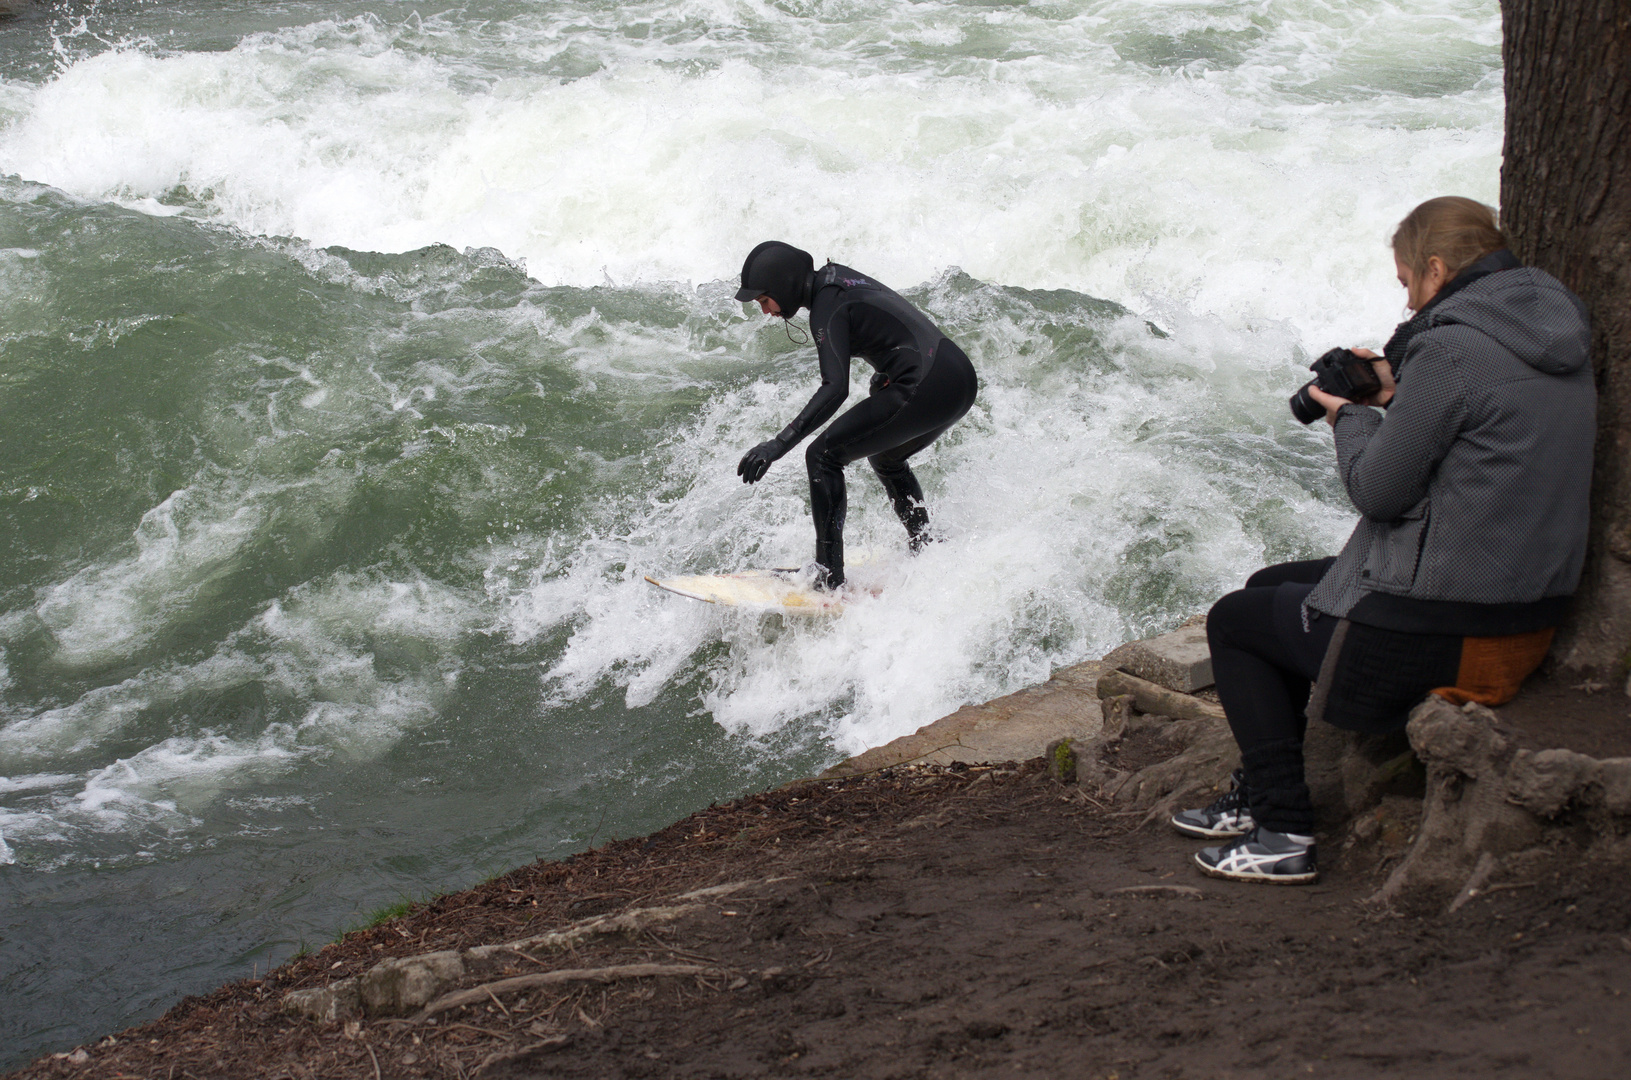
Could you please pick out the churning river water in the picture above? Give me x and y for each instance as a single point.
(358, 358)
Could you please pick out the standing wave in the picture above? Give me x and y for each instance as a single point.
(356, 365)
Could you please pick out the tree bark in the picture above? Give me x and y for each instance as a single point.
(1566, 203)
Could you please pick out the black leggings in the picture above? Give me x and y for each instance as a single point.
(1264, 663)
(887, 428)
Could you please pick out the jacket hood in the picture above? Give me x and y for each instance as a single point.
(1528, 312)
(782, 272)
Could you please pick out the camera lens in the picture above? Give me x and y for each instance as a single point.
(1305, 408)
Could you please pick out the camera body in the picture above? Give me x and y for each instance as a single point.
(1339, 373)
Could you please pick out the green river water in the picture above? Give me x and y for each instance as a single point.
(358, 359)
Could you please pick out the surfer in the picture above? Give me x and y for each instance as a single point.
(923, 385)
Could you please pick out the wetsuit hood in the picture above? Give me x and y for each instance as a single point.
(780, 271)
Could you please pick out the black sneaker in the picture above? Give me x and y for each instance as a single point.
(1273, 858)
(812, 575)
(1226, 818)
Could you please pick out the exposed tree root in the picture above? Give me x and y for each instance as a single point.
(551, 978)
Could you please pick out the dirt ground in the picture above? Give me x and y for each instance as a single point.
(949, 922)
(1561, 711)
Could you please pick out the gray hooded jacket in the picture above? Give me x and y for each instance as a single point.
(1474, 488)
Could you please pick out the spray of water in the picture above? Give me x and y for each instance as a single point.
(359, 364)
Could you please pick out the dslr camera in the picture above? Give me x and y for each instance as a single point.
(1340, 373)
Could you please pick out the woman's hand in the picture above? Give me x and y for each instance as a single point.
(1332, 403)
(1384, 372)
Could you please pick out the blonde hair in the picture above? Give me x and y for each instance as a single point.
(1460, 231)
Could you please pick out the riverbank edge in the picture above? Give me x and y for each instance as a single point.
(322, 1015)
(1015, 727)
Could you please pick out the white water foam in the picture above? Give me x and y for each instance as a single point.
(347, 666)
(1019, 146)
(104, 613)
(1242, 203)
(1042, 494)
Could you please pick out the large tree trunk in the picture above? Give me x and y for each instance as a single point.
(1566, 202)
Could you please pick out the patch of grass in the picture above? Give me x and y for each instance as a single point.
(385, 914)
(378, 917)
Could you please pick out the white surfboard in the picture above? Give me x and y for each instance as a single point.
(756, 590)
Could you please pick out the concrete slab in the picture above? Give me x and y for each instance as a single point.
(1179, 661)
(1013, 728)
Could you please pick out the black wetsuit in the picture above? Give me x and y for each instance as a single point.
(924, 384)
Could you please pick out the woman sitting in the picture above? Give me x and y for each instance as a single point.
(1473, 495)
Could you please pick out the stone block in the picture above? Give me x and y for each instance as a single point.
(1179, 661)
(393, 987)
(325, 1004)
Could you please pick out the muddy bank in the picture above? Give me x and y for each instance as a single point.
(928, 921)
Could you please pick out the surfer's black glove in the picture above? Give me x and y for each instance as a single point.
(756, 462)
